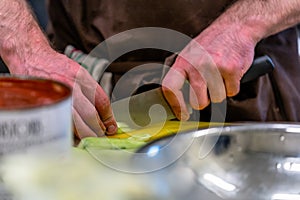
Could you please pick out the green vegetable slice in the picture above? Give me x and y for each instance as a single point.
(110, 143)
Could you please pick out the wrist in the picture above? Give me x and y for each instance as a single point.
(22, 48)
(21, 56)
(259, 19)
(21, 39)
(251, 30)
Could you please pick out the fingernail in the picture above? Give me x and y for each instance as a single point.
(185, 116)
(111, 129)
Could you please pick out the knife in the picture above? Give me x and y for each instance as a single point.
(151, 107)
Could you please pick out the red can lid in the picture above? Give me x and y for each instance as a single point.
(23, 93)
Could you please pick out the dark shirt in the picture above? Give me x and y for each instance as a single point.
(273, 97)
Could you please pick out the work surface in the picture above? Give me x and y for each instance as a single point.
(96, 169)
(253, 161)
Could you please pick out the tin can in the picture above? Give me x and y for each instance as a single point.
(35, 116)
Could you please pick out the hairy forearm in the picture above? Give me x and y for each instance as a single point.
(21, 39)
(261, 18)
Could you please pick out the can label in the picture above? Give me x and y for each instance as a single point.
(35, 116)
(44, 130)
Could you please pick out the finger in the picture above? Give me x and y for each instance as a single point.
(171, 87)
(88, 113)
(203, 73)
(98, 98)
(196, 72)
(232, 87)
(81, 129)
(198, 92)
(231, 79)
(215, 84)
(104, 109)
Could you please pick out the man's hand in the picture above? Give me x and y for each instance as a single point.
(26, 51)
(213, 64)
(215, 61)
(92, 113)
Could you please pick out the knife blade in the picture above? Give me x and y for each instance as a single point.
(151, 107)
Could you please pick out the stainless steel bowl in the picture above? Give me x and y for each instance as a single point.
(251, 161)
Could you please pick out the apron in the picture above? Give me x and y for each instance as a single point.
(85, 24)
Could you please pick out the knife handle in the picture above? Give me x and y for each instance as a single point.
(260, 66)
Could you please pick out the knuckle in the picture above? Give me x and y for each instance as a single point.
(228, 71)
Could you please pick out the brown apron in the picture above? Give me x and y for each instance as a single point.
(85, 24)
